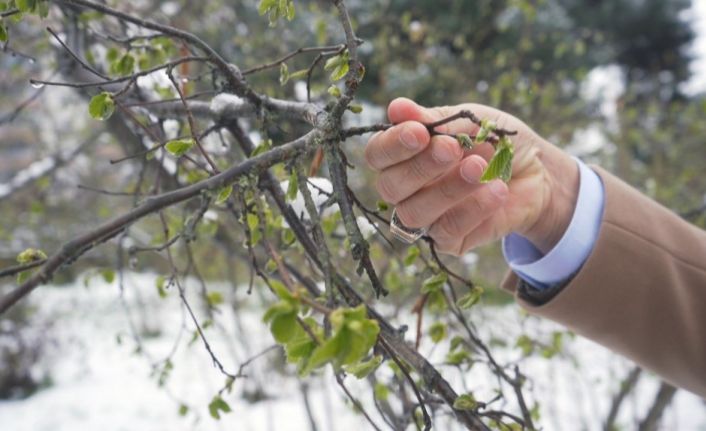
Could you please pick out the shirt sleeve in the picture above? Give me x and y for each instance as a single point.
(572, 250)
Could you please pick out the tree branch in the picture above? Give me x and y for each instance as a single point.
(74, 248)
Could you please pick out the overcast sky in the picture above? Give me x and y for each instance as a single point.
(697, 16)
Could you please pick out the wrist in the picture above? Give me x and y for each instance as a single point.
(562, 182)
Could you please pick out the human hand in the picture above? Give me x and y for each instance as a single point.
(433, 182)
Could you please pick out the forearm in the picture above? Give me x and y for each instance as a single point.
(642, 290)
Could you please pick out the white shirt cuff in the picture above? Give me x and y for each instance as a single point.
(572, 250)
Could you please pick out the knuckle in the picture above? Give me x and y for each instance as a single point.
(447, 191)
(369, 156)
(386, 188)
(416, 169)
(444, 246)
(449, 225)
(410, 215)
(377, 153)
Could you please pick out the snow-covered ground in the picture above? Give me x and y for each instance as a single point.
(99, 383)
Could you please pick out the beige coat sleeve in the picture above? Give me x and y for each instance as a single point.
(642, 291)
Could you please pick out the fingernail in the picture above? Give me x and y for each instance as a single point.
(443, 154)
(471, 171)
(409, 139)
(498, 188)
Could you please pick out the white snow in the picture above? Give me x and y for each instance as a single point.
(100, 384)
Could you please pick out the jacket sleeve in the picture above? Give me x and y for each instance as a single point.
(642, 290)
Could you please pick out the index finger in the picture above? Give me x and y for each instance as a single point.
(396, 144)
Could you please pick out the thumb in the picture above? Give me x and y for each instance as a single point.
(403, 109)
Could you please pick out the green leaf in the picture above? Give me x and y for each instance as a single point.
(293, 186)
(382, 206)
(381, 391)
(270, 266)
(290, 11)
(283, 73)
(437, 332)
(457, 357)
(338, 65)
(265, 6)
(281, 290)
(412, 255)
(214, 298)
(464, 140)
(108, 275)
(253, 221)
(224, 194)
(23, 276)
(124, 66)
(500, 165)
(43, 8)
(3, 33)
(264, 146)
(362, 369)
(284, 327)
(334, 91)
(465, 402)
(470, 299)
(486, 128)
(216, 406)
(179, 147)
(302, 73)
(101, 106)
(353, 337)
(159, 283)
(26, 6)
(434, 283)
(356, 109)
(526, 344)
(183, 409)
(325, 352)
(31, 255)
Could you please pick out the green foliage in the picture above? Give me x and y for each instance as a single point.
(412, 255)
(224, 193)
(293, 185)
(470, 299)
(214, 298)
(283, 73)
(500, 165)
(338, 65)
(160, 285)
(356, 109)
(101, 106)
(264, 146)
(486, 128)
(465, 402)
(438, 331)
(276, 9)
(3, 32)
(353, 335)
(525, 344)
(183, 410)
(363, 368)
(23, 276)
(334, 91)
(179, 147)
(218, 406)
(434, 283)
(30, 255)
(123, 66)
(381, 391)
(108, 275)
(464, 140)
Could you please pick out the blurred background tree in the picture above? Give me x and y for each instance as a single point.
(605, 79)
